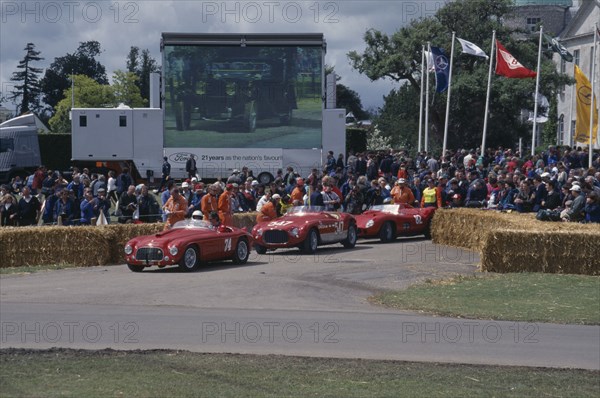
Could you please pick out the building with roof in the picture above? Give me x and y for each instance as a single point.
(578, 39)
(555, 15)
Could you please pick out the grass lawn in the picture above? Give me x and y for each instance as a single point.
(532, 297)
(35, 268)
(72, 373)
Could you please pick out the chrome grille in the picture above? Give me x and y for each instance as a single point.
(149, 254)
(275, 236)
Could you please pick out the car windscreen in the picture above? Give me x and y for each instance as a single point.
(386, 208)
(192, 224)
(305, 209)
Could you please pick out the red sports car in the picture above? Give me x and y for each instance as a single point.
(188, 244)
(306, 228)
(389, 221)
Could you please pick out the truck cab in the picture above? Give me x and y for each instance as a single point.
(19, 147)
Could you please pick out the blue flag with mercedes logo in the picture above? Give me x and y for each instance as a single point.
(442, 68)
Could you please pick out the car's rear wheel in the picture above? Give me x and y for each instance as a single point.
(260, 249)
(386, 233)
(350, 240)
(311, 242)
(242, 252)
(190, 260)
(135, 268)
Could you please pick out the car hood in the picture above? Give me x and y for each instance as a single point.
(171, 235)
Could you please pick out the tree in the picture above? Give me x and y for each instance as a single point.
(377, 141)
(88, 94)
(29, 89)
(58, 76)
(398, 58)
(350, 100)
(125, 89)
(142, 65)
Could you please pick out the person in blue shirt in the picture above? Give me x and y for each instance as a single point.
(87, 207)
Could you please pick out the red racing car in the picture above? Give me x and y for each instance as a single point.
(389, 221)
(307, 228)
(188, 244)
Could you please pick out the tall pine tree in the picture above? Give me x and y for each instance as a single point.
(28, 91)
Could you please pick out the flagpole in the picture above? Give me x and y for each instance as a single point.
(421, 97)
(487, 97)
(571, 112)
(427, 103)
(592, 108)
(448, 97)
(537, 90)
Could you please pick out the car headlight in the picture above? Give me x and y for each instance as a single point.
(370, 223)
(295, 232)
(259, 232)
(173, 250)
(128, 249)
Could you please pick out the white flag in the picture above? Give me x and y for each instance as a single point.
(470, 48)
(429, 60)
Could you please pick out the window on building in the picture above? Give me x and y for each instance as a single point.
(532, 23)
(561, 128)
(82, 121)
(122, 121)
(576, 57)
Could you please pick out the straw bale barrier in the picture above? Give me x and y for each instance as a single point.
(84, 246)
(513, 242)
(561, 252)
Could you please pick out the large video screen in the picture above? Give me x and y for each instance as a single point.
(242, 97)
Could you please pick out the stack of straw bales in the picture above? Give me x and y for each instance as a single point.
(520, 243)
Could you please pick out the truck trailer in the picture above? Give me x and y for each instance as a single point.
(229, 101)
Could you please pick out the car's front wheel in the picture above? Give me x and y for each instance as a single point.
(260, 249)
(350, 240)
(386, 233)
(311, 242)
(242, 252)
(190, 260)
(135, 268)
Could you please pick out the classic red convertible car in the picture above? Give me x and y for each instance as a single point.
(188, 244)
(306, 228)
(389, 221)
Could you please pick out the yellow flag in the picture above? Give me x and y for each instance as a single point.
(584, 100)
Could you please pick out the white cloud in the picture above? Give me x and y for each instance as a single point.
(57, 27)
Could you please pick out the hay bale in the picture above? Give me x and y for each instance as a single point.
(558, 251)
(248, 220)
(122, 233)
(55, 245)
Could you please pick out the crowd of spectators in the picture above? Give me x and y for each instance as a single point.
(556, 184)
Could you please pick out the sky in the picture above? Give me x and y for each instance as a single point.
(57, 27)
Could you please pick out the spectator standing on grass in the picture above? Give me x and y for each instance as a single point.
(431, 196)
(165, 174)
(111, 186)
(268, 211)
(224, 206)
(29, 208)
(38, 179)
(402, 194)
(127, 205)
(9, 214)
(190, 166)
(64, 208)
(148, 207)
(102, 204)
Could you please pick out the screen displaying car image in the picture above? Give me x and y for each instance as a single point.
(242, 97)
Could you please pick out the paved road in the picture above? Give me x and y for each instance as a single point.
(279, 303)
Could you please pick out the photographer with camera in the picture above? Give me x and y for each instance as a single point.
(127, 205)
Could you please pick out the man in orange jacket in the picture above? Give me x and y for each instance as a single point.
(209, 202)
(402, 194)
(269, 211)
(175, 208)
(224, 205)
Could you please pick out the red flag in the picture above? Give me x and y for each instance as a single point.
(507, 65)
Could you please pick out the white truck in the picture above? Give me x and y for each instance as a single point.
(19, 147)
(228, 100)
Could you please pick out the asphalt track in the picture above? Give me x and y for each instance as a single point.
(280, 303)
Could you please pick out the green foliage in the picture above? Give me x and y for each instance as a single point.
(398, 57)
(376, 140)
(88, 94)
(29, 89)
(57, 78)
(142, 65)
(125, 89)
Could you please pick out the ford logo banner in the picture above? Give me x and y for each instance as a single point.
(181, 157)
